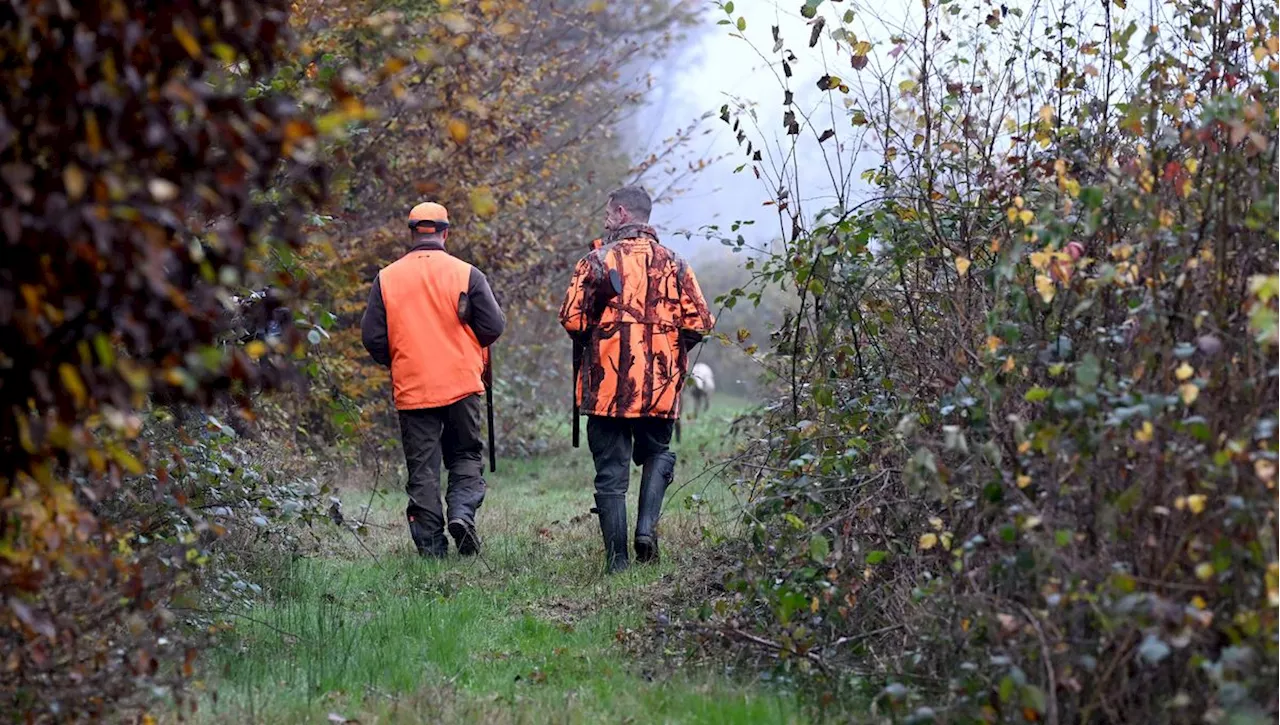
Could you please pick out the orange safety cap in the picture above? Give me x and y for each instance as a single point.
(428, 217)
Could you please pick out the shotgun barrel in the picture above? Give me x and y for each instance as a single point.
(488, 403)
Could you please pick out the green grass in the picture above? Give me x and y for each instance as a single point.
(531, 632)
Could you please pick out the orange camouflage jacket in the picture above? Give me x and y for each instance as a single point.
(635, 357)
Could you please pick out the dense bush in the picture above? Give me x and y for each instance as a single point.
(1024, 466)
(134, 166)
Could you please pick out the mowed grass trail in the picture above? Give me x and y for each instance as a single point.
(529, 633)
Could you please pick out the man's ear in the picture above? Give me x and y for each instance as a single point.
(444, 236)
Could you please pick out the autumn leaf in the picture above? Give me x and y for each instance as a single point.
(1264, 469)
(1045, 287)
(928, 541)
(1184, 372)
(1204, 571)
(458, 130)
(1023, 480)
(482, 202)
(1196, 503)
(186, 39)
(72, 382)
(962, 266)
(1146, 433)
(73, 178)
(1188, 392)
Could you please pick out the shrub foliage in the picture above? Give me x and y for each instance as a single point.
(1024, 462)
(134, 202)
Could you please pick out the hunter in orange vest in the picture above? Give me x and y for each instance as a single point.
(636, 338)
(430, 319)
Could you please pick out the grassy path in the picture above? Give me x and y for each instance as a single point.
(529, 633)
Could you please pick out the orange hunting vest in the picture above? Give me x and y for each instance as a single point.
(435, 358)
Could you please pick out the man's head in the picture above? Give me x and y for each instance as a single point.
(429, 222)
(628, 205)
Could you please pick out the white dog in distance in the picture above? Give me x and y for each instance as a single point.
(702, 383)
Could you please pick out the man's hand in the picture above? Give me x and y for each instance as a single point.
(689, 338)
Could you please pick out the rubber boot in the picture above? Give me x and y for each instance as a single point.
(657, 475)
(612, 509)
(465, 536)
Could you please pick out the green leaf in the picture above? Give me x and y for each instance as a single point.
(1033, 697)
(1089, 372)
(875, 557)
(742, 24)
(810, 8)
(1092, 196)
(1037, 394)
(1007, 686)
(819, 548)
(728, 8)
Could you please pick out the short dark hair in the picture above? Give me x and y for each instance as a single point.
(634, 199)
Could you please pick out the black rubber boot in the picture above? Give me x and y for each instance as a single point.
(465, 536)
(429, 543)
(657, 475)
(612, 509)
(432, 547)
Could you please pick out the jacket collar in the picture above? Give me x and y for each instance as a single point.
(427, 246)
(632, 231)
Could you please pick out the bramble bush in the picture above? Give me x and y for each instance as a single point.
(135, 165)
(1023, 461)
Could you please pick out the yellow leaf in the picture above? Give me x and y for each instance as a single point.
(1031, 522)
(928, 541)
(1045, 287)
(1146, 433)
(1023, 480)
(1189, 393)
(1023, 447)
(1197, 502)
(962, 266)
(186, 39)
(597, 7)
(1198, 602)
(1264, 469)
(126, 460)
(256, 349)
(993, 343)
(504, 29)
(1009, 364)
(1026, 216)
(946, 539)
(1192, 165)
(458, 130)
(1046, 114)
(1040, 260)
(73, 178)
(1184, 372)
(936, 523)
(861, 47)
(1204, 571)
(482, 202)
(72, 382)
